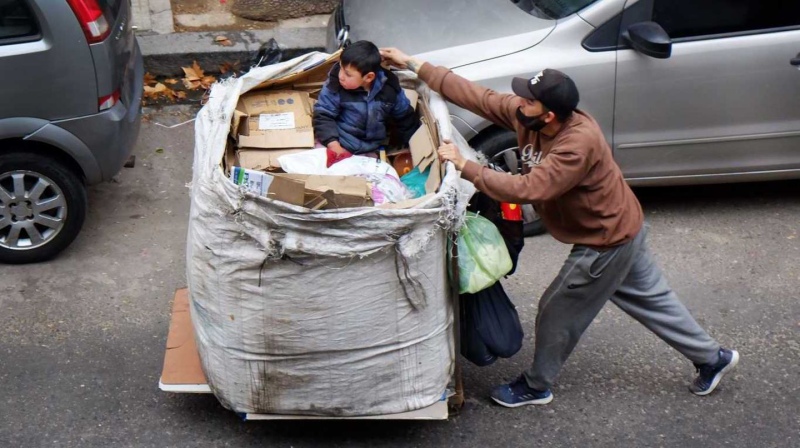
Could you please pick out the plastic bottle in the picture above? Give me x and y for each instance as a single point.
(402, 163)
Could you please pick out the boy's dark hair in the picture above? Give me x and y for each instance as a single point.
(363, 55)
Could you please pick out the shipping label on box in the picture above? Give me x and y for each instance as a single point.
(279, 119)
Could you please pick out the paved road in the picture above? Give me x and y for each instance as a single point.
(82, 337)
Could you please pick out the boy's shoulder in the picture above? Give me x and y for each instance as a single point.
(392, 81)
(333, 78)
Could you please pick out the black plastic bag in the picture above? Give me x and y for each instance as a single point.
(472, 346)
(269, 53)
(490, 326)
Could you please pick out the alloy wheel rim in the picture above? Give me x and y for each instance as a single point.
(33, 210)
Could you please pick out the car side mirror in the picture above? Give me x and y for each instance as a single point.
(650, 39)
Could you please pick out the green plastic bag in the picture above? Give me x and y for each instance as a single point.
(482, 255)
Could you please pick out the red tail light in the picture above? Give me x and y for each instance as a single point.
(108, 101)
(511, 212)
(90, 15)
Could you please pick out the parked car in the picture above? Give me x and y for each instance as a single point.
(686, 91)
(70, 109)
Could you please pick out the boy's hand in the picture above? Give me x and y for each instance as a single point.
(449, 152)
(336, 153)
(336, 147)
(399, 59)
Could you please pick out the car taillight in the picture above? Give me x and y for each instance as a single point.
(90, 15)
(511, 212)
(108, 101)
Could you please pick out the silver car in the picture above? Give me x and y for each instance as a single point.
(687, 91)
(70, 109)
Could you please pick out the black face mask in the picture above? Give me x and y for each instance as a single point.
(535, 124)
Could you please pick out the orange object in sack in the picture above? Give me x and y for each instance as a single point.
(402, 163)
(511, 212)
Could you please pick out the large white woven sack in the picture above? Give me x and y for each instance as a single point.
(331, 312)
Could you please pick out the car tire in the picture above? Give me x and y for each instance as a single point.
(43, 206)
(502, 150)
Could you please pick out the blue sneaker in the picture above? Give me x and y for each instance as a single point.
(518, 393)
(709, 375)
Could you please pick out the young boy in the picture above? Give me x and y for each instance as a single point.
(355, 103)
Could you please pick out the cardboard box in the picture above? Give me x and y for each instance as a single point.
(412, 96)
(313, 72)
(423, 145)
(263, 159)
(279, 119)
(423, 148)
(342, 191)
(274, 187)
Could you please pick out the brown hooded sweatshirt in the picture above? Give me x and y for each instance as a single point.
(571, 178)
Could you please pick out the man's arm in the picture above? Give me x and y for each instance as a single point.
(495, 107)
(559, 172)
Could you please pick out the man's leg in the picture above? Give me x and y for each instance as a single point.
(583, 286)
(645, 295)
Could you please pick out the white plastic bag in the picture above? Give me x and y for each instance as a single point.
(362, 166)
(312, 161)
(387, 188)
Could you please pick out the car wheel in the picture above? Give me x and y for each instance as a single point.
(502, 152)
(42, 207)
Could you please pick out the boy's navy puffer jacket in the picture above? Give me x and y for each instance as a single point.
(357, 118)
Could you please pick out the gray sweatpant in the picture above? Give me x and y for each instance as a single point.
(630, 277)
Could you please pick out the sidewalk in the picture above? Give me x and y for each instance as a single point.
(167, 47)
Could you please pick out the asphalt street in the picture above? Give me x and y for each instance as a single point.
(82, 337)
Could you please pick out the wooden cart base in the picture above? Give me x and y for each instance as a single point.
(182, 372)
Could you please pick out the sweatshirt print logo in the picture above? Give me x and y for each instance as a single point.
(530, 158)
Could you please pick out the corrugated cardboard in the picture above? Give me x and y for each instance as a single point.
(274, 187)
(310, 74)
(348, 191)
(263, 159)
(275, 119)
(423, 149)
(412, 96)
(229, 159)
(181, 361)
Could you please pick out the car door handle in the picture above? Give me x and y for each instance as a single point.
(796, 60)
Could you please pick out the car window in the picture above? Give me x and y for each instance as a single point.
(695, 18)
(16, 20)
(552, 9)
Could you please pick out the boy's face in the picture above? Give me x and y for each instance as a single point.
(351, 79)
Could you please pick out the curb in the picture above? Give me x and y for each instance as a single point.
(165, 54)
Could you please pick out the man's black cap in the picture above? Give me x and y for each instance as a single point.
(552, 88)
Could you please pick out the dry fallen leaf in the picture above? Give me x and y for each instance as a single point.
(149, 79)
(207, 81)
(229, 67)
(224, 41)
(156, 91)
(191, 85)
(193, 73)
(171, 81)
(180, 95)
